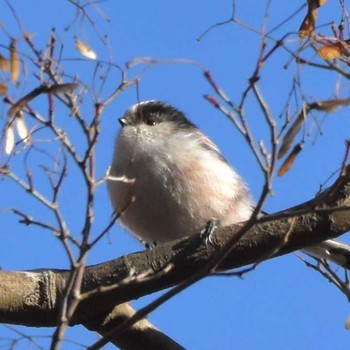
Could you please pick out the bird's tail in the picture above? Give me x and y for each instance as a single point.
(331, 250)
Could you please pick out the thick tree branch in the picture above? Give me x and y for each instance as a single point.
(32, 297)
(142, 335)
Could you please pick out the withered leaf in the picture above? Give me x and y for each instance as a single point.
(289, 161)
(62, 88)
(21, 127)
(325, 105)
(14, 62)
(85, 50)
(308, 25)
(331, 51)
(329, 105)
(293, 131)
(3, 63)
(3, 89)
(43, 89)
(347, 323)
(9, 139)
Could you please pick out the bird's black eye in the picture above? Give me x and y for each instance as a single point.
(151, 120)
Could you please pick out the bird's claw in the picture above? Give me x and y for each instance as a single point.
(150, 245)
(208, 232)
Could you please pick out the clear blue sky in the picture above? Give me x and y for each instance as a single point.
(282, 304)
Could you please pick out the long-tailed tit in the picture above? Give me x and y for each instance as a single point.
(168, 179)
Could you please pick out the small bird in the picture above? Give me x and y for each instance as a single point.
(168, 179)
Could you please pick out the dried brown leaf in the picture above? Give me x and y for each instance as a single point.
(325, 106)
(331, 51)
(329, 105)
(3, 63)
(24, 101)
(43, 89)
(21, 127)
(14, 62)
(3, 89)
(62, 88)
(289, 161)
(9, 139)
(293, 131)
(307, 27)
(85, 50)
(347, 323)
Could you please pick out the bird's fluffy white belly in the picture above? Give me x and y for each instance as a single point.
(174, 196)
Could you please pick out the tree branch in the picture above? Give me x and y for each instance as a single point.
(32, 298)
(142, 335)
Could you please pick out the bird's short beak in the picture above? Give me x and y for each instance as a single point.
(122, 121)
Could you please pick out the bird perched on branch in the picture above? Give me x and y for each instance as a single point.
(168, 179)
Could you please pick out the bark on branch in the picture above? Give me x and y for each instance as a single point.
(32, 298)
